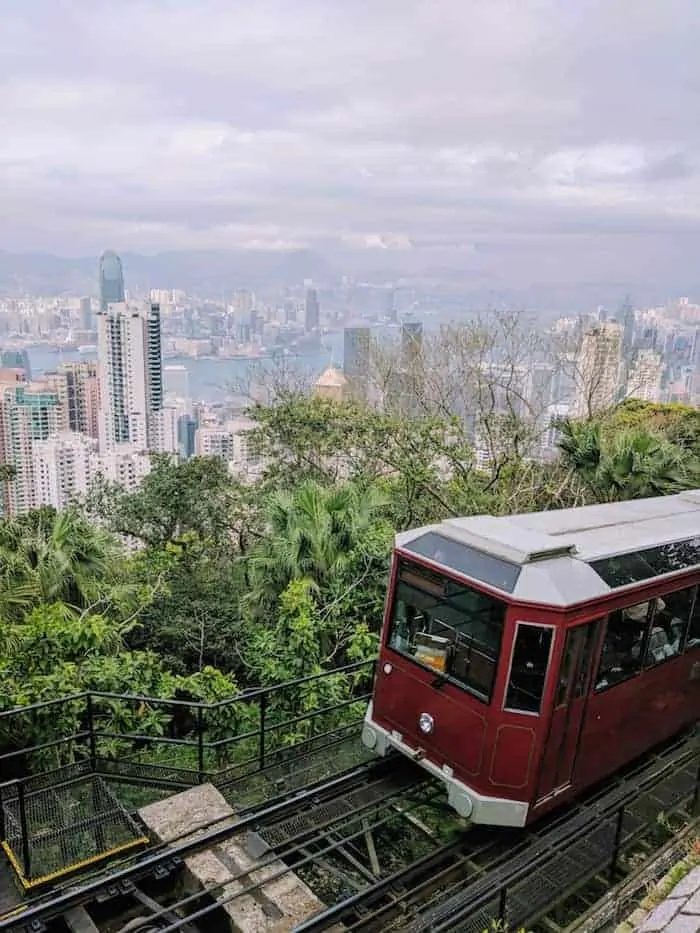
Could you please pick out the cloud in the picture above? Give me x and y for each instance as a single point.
(370, 122)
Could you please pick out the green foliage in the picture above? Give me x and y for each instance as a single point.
(627, 463)
(175, 499)
(234, 587)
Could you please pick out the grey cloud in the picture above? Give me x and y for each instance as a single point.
(451, 122)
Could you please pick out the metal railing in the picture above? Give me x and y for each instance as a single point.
(164, 743)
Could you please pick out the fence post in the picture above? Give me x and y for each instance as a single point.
(616, 843)
(502, 903)
(263, 711)
(26, 854)
(91, 730)
(696, 795)
(200, 743)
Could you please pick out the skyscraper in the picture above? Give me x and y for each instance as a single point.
(356, 352)
(111, 280)
(312, 311)
(411, 342)
(131, 373)
(599, 369)
(28, 413)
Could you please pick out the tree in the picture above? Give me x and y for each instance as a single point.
(175, 498)
(628, 464)
(313, 533)
(56, 556)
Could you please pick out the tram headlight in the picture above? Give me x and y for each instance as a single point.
(426, 723)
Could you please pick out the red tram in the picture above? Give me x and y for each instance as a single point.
(524, 658)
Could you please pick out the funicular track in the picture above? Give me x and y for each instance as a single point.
(362, 792)
(486, 873)
(521, 877)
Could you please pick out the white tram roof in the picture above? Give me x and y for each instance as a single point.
(567, 556)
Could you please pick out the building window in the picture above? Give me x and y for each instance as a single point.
(528, 669)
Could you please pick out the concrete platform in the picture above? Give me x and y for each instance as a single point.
(276, 906)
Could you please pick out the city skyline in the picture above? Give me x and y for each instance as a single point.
(537, 141)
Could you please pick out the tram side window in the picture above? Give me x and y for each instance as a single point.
(668, 626)
(694, 628)
(621, 657)
(528, 670)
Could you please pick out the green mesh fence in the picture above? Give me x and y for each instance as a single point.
(68, 827)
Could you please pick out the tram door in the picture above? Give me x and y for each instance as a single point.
(559, 757)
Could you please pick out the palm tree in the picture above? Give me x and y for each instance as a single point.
(312, 534)
(57, 555)
(629, 464)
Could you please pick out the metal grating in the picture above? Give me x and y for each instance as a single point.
(69, 827)
(326, 813)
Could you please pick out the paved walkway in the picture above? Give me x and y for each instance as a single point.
(679, 912)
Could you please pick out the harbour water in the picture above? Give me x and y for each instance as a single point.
(212, 380)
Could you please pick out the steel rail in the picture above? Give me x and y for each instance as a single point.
(275, 857)
(182, 847)
(565, 828)
(521, 864)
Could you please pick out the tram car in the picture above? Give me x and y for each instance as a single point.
(524, 658)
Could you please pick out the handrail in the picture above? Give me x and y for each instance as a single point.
(249, 694)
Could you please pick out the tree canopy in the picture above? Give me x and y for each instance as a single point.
(200, 585)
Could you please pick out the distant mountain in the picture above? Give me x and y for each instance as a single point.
(204, 273)
(472, 275)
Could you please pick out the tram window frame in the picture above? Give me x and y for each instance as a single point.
(625, 626)
(510, 704)
(693, 624)
(435, 590)
(670, 630)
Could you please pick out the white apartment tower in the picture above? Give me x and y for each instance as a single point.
(63, 468)
(599, 370)
(131, 374)
(644, 379)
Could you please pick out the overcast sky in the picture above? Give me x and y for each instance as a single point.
(535, 125)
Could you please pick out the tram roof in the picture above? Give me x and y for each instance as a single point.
(567, 556)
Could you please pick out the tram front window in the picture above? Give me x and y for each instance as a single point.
(447, 626)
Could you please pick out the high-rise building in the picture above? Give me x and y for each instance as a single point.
(331, 384)
(411, 341)
(16, 359)
(125, 466)
(599, 369)
(131, 374)
(230, 442)
(77, 387)
(390, 304)
(356, 358)
(29, 413)
(186, 435)
(312, 311)
(644, 376)
(111, 280)
(64, 466)
(628, 321)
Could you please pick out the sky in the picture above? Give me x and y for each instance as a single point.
(556, 135)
